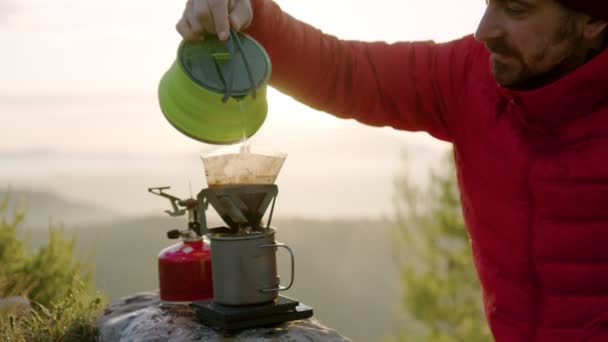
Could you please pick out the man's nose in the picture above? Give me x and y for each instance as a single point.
(489, 27)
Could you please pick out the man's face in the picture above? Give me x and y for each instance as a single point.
(530, 41)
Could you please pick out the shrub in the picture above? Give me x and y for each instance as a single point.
(58, 284)
(441, 296)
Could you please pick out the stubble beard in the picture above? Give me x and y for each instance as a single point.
(529, 73)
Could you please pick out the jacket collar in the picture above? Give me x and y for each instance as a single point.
(576, 94)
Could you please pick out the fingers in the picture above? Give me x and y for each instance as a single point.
(241, 14)
(219, 16)
(197, 16)
(214, 16)
(201, 13)
(184, 27)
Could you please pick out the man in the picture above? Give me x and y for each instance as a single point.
(525, 105)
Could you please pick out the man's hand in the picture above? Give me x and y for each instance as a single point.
(214, 16)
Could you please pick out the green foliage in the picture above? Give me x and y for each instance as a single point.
(71, 318)
(440, 294)
(59, 285)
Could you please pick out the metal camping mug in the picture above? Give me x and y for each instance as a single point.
(244, 267)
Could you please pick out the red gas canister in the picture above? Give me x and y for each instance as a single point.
(184, 270)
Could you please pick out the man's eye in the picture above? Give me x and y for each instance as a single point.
(514, 9)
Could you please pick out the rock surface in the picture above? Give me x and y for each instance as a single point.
(141, 318)
(15, 305)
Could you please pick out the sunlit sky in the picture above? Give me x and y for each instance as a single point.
(78, 86)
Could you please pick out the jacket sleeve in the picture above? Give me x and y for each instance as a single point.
(407, 85)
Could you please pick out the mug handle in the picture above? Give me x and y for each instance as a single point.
(281, 288)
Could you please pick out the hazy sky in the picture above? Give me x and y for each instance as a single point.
(78, 107)
(118, 46)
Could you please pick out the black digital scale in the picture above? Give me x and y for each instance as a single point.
(282, 309)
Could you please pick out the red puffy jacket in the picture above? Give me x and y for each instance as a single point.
(532, 166)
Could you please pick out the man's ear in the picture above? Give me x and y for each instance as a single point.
(595, 28)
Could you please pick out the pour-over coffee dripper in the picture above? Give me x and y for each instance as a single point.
(241, 185)
(242, 165)
(240, 206)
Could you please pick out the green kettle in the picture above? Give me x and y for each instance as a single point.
(215, 91)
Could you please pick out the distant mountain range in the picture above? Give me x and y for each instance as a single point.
(333, 171)
(45, 207)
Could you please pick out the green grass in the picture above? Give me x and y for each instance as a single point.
(58, 283)
(69, 319)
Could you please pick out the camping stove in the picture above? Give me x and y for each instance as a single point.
(243, 258)
(184, 269)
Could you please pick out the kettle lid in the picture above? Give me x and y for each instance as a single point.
(238, 65)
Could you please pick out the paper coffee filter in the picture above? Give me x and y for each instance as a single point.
(242, 164)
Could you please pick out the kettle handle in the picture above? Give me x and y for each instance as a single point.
(235, 40)
(281, 288)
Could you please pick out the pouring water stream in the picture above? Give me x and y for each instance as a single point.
(245, 147)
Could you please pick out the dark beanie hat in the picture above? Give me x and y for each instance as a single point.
(595, 8)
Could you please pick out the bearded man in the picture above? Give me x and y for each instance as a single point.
(524, 103)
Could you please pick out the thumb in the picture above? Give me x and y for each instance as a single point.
(241, 14)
